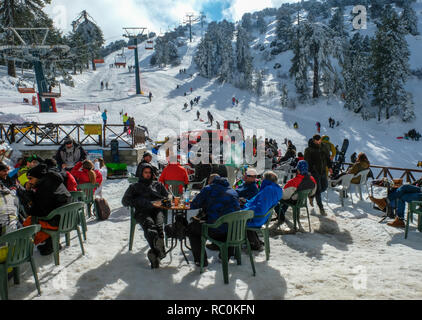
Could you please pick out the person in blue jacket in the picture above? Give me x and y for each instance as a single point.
(216, 200)
(269, 195)
(104, 116)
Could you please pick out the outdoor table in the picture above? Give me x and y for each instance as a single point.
(176, 211)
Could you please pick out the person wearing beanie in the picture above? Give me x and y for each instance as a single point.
(146, 159)
(326, 142)
(69, 154)
(45, 192)
(318, 158)
(69, 180)
(302, 181)
(31, 162)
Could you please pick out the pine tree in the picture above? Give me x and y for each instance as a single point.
(261, 24)
(409, 19)
(16, 13)
(247, 22)
(299, 68)
(259, 83)
(284, 24)
(390, 66)
(337, 22)
(244, 59)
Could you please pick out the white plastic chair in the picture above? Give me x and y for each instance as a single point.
(343, 187)
(363, 182)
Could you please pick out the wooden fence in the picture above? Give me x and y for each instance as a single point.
(52, 134)
(385, 172)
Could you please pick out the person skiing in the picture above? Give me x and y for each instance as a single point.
(330, 122)
(198, 115)
(104, 116)
(197, 99)
(234, 101)
(210, 118)
(191, 104)
(318, 124)
(102, 85)
(150, 96)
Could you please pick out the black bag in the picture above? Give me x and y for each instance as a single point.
(103, 209)
(178, 229)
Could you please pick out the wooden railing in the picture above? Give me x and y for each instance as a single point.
(36, 134)
(386, 172)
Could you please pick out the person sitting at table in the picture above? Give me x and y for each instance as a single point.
(216, 200)
(84, 172)
(248, 188)
(361, 164)
(398, 198)
(45, 192)
(269, 195)
(302, 181)
(146, 159)
(141, 197)
(175, 172)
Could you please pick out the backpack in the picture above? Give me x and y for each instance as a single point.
(103, 209)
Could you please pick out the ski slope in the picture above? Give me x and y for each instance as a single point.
(348, 255)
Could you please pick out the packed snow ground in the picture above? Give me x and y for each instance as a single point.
(348, 254)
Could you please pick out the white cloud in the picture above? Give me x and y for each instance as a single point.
(156, 15)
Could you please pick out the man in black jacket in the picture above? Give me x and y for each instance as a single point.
(45, 192)
(146, 159)
(69, 154)
(318, 157)
(140, 196)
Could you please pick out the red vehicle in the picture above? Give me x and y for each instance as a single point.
(215, 136)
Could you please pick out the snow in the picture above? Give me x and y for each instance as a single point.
(348, 254)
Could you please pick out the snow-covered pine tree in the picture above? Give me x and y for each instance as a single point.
(409, 19)
(390, 66)
(17, 13)
(247, 22)
(243, 59)
(283, 29)
(259, 83)
(355, 73)
(261, 25)
(299, 68)
(337, 22)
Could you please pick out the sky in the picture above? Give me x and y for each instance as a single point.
(156, 15)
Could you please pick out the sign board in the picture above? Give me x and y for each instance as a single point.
(93, 129)
(95, 154)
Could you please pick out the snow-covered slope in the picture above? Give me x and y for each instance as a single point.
(349, 255)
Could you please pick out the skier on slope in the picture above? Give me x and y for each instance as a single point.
(210, 118)
(102, 85)
(198, 115)
(150, 96)
(191, 104)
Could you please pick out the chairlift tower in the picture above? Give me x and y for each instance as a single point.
(134, 33)
(32, 53)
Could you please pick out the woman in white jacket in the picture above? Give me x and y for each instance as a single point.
(100, 165)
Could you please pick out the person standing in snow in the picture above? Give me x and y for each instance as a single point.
(125, 120)
(210, 118)
(218, 126)
(234, 101)
(100, 166)
(102, 85)
(191, 104)
(107, 85)
(318, 125)
(150, 96)
(185, 106)
(104, 116)
(198, 115)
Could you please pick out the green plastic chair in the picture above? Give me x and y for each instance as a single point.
(20, 250)
(236, 236)
(69, 221)
(174, 185)
(88, 189)
(78, 196)
(132, 179)
(415, 207)
(265, 231)
(302, 202)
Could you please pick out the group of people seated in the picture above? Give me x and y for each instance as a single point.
(38, 186)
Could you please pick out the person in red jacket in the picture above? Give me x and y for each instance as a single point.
(174, 171)
(84, 172)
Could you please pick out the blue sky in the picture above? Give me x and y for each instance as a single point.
(156, 15)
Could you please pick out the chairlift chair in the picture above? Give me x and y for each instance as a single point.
(131, 47)
(149, 45)
(22, 89)
(52, 94)
(98, 61)
(120, 61)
